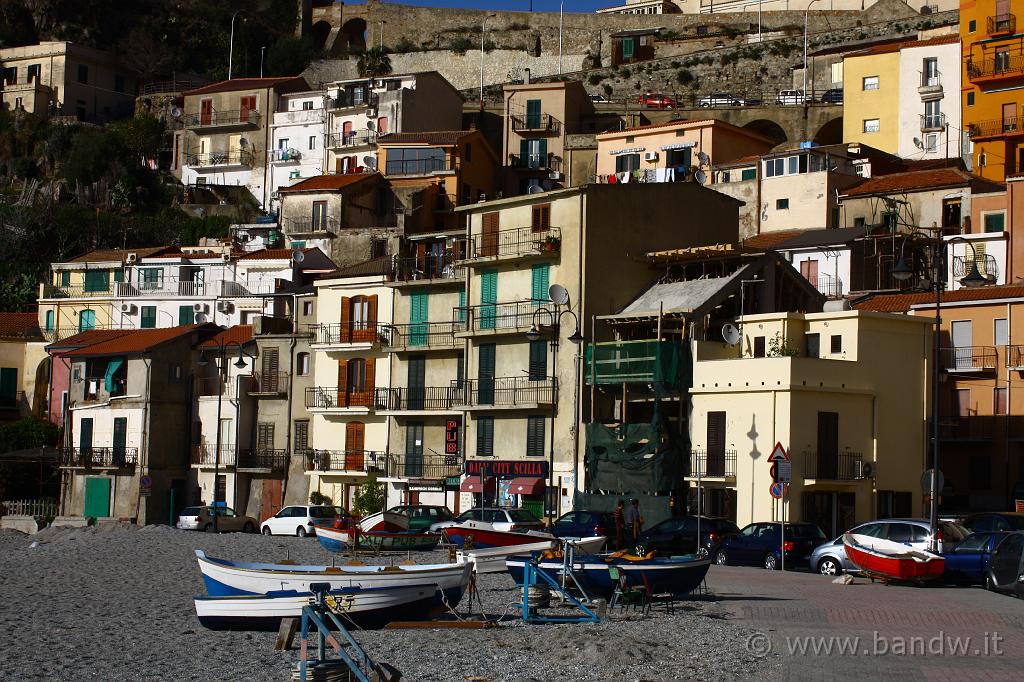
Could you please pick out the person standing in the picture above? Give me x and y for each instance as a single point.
(638, 520)
(629, 516)
(620, 524)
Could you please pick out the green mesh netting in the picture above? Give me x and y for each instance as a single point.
(616, 362)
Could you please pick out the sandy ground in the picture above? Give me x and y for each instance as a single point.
(116, 603)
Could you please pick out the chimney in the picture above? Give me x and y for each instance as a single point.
(526, 76)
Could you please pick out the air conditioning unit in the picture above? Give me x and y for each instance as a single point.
(128, 308)
(225, 306)
(650, 156)
(226, 257)
(131, 258)
(555, 175)
(371, 112)
(200, 308)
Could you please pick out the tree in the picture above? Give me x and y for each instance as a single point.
(370, 498)
(290, 55)
(374, 62)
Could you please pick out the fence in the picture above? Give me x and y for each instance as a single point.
(101, 458)
(422, 398)
(505, 391)
(493, 316)
(262, 458)
(521, 241)
(841, 466)
(346, 460)
(713, 464)
(419, 335)
(44, 508)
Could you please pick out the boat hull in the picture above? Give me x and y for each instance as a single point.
(371, 608)
(662, 575)
(892, 561)
(341, 540)
(481, 538)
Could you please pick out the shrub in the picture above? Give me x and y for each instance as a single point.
(370, 498)
(596, 78)
(626, 73)
(608, 90)
(460, 45)
(684, 77)
(317, 497)
(674, 64)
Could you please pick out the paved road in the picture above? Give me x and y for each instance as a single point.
(875, 631)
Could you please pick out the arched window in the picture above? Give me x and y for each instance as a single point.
(86, 320)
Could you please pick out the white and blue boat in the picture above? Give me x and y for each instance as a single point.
(341, 540)
(675, 575)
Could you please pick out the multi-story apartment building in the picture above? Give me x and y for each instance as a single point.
(168, 286)
(537, 119)
(521, 396)
(901, 98)
(227, 136)
(126, 448)
(57, 78)
(360, 110)
(23, 367)
(297, 140)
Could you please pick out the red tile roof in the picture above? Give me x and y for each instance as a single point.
(768, 240)
(232, 336)
(901, 303)
(684, 121)
(88, 338)
(440, 138)
(249, 84)
(327, 183)
(103, 255)
(911, 181)
(131, 341)
(906, 44)
(19, 326)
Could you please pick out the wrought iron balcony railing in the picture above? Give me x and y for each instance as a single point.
(969, 359)
(520, 241)
(1015, 357)
(1000, 127)
(263, 458)
(346, 460)
(988, 266)
(353, 138)
(100, 457)
(414, 399)
(933, 122)
(433, 467)
(206, 455)
(713, 464)
(267, 383)
(428, 267)
(505, 391)
(832, 287)
(332, 397)
(223, 119)
(215, 159)
(419, 336)
(352, 332)
(995, 68)
(841, 466)
(309, 225)
(511, 316)
(1001, 23)
(545, 123)
(284, 155)
(544, 162)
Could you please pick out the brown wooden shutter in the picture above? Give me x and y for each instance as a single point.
(342, 382)
(371, 316)
(421, 257)
(489, 237)
(541, 218)
(370, 367)
(346, 319)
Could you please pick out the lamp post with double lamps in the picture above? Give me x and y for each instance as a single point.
(220, 352)
(560, 298)
(937, 254)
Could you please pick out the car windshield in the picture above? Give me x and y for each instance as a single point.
(1016, 522)
(805, 531)
(953, 532)
(973, 543)
(191, 511)
(522, 515)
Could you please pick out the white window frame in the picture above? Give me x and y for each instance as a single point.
(869, 83)
(872, 125)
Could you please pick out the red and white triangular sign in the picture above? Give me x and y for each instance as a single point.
(778, 454)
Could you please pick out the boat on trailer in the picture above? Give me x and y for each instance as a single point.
(482, 535)
(492, 560)
(335, 540)
(887, 560)
(674, 575)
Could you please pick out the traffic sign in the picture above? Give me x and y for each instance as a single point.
(926, 481)
(784, 472)
(778, 454)
(145, 486)
(779, 490)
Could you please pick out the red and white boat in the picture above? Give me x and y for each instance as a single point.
(890, 560)
(482, 535)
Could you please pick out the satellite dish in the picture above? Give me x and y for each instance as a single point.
(558, 294)
(730, 333)
(370, 161)
(176, 112)
(201, 318)
(298, 256)
(369, 125)
(534, 189)
(700, 177)
(703, 158)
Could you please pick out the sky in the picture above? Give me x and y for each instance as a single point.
(587, 6)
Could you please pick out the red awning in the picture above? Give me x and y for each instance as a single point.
(526, 485)
(472, 484)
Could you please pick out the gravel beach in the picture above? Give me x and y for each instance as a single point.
(115, 602)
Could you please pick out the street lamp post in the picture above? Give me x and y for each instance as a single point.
(221, 353)
(806, 12)
(576, 338)
(938, 254)
(231, 42)
(483, 33)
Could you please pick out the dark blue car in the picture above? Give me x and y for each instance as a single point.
(762, 544)
(584, 524)
(967, 562)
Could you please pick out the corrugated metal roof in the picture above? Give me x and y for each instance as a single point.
(677, 297)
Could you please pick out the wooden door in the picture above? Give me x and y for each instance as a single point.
(271, 498)
(828, 445)
(245, 106)
(809, 269)
(1009, 116)
(355, 434)
(485, 373)
(85, 436)
(417, 390)
(206, 112)
(120, 438)
(715, 465)
(489, 235)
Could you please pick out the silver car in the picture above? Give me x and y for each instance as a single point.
(830, 558)
(201, 518)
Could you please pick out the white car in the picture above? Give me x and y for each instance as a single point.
(505, 520)
(302, 520)
(719, 99)
(792, 97)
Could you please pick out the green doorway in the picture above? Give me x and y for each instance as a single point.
(97, 497)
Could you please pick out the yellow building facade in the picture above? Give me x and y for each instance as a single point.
(871, 103)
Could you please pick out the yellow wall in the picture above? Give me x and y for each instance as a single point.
(860, 104)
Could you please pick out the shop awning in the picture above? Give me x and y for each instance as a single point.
(526, 485)
(472, 484)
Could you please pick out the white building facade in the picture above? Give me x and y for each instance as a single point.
(297, 134)
(929, 101)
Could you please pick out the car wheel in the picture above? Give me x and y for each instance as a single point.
(208, 528)
(770, 562)
(829, 566)
(248, 527)
(301, 532)
(721, 559)
(267, 531)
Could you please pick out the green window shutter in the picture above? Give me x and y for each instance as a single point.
(118, 275)
(65, 279)
(147, 319)
(628, 48)
(49, 320)
(538, 360)
(994, 222)
(485, 373)
(540, 281)
(488, 297)
(542, 151)
(418, 315)
(533, 113)
(462, 306)
(485, 437)
(8, 386)
(97, 281)
(186, 315)
(748, 174)
(535, 436)
(86, 320)
(524, 153)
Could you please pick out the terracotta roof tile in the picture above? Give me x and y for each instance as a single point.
(89, 337)
(441, 138)
(102, 255)
(321, 183)
(905, 44)
(248, 84)
(768, 240)
(131, 341)
(232, 336)
(901, 303)
(19, 326)
(910, 181)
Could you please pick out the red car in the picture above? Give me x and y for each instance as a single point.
(657, 100)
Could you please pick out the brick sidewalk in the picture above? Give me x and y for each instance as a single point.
(902, 630)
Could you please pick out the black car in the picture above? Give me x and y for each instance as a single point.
(762, 544)
(832, 96)
(985, 521)
(584, 524)
(679, 536)
(1006, 566)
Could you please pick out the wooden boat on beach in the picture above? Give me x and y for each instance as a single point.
(335, 540)
(675, 575)
(481, 535)
(365, 607)
(888, 560)
(492, 560)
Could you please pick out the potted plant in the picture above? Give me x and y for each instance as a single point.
(550, 243)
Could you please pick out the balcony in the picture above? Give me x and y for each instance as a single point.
(1015, 358)
(320, 227)
(423, 399)
(205, 456)
(282, 156)
(351, 140)
(419, 336)
(1001, 24)
(230, 288)
(536, 123)
(354, 334)
(1006, 127)
(930, 85)
(220, 160)
(100, 458)
(95, 289)
(351, 99)
(536, 162)
(263, 460)
(61, 333)
(211, 387)
(987, 265)
(706, 464)
(1001, 67)
(417, 166)
(644, 362)
(496, 318)
(521, 242)
(430, 467)
(326, 398)
(267, 384)
(211, 120)
(842, 466)
(427, 269)
(970, 428)
(969, 359)
(165, 286)
(504, 392)
(346, 461)
(933, 123)
(832, 287)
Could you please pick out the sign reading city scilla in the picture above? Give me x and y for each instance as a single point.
(474, 467)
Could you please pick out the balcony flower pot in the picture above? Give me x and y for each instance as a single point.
(550, 244)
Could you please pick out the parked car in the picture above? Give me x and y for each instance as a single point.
(719, 99)
(994, 521)
(792, 97)
(584, 524)
(502, 519)
(302, 520)
(201, 518)
(832, 96)
(967, 563)
(599, 99)
(830, 558)
(422, 516)
(1006, 566)
(761, 544)
(657, 100)
(679, 536)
